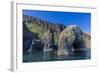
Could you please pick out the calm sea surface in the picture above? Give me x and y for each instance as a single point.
(39, 56)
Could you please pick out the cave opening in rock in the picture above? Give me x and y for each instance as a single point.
(76, 45)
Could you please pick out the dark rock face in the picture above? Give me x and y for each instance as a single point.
(29, 39)
(28, 34)
(70, 39)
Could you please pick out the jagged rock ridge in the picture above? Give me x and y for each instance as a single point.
(44, 24)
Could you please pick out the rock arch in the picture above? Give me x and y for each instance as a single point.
(70, 39)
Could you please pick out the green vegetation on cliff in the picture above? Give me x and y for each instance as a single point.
(33, 27)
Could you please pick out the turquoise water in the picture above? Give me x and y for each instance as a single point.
(40, 56)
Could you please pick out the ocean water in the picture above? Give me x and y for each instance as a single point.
(40, 56)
